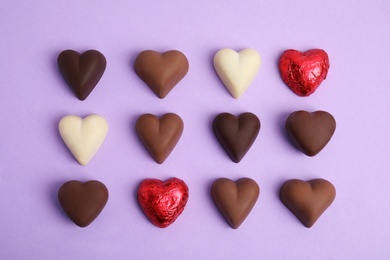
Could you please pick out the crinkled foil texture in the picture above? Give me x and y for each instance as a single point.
(162, 202)
(303, 72)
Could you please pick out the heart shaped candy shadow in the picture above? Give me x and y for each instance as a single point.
(163, 202)
(159, 135)
(307, 200)
(235, 200)
(83, 202)
(236, 134)
(310, 131)
(81, 72)
(303, 72)
(83, 136)
(161, 72)
(237, 70)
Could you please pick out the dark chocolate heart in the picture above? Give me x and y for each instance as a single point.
(161, 72)
(236, 199)
(81, 72)
(310, 131)
(303, 72)
(159, 135)
(236, 134)
(83, 202)
(307, 200)
(163, 202)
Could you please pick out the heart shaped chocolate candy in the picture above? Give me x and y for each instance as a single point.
(307, 200)
(83, 202)
(237, 70)
(83, 136)
(310, 131)
(81, 72)
(303, 72)
(159, 135)
(236, 199)
(161, 71)
(163, 202)
(236, 134)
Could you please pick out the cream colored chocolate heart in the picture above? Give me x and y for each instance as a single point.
(237, 70)
(83, 136)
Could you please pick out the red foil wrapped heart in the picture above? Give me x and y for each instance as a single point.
(162, 202)
(303, 72)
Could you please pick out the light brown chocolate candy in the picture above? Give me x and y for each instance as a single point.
(159, 135)
(307, 200)
(161, 71)
(235, 199)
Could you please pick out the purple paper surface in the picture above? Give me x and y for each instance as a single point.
(34, 161)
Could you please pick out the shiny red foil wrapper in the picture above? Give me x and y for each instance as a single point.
(163, 201)
(303, 72)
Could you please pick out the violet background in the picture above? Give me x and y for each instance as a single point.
(34, 162)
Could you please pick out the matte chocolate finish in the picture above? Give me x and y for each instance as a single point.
(310, 131)
(83, 202)
(307, 200)
(236, 199)
(159, 135)
(81, 72)
(236, 134)
(161, 72)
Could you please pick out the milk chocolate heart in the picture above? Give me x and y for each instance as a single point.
(81, 72)
(237, 70)
(163, 202)
(161, 72)
(307, 200)
(83, 202)
(159, 135)
(236, 199)
(303, 72)
(236, 134)
(83, 136)
(310, 131)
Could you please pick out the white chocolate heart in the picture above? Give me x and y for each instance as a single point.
(83, 136)
(237, 70)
